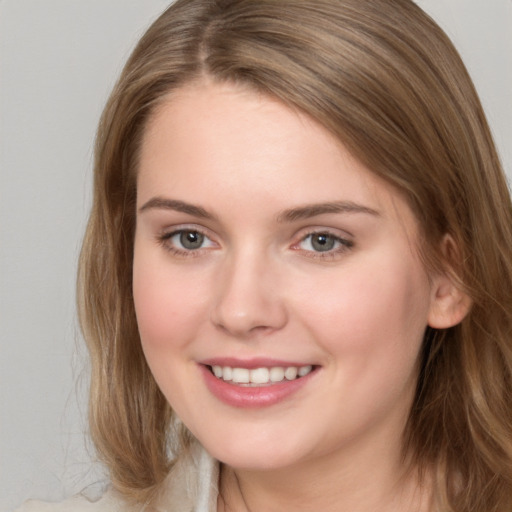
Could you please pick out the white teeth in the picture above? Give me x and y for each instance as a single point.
(276, 374)
(304, 370)
(291, 373)
(260, 376)
(241, 375)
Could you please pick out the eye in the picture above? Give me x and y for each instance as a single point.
(186, 241)
(324, 242)
(189, 240)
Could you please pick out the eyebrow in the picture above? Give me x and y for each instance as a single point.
(312, 210)
(291, 215)
(179, 206)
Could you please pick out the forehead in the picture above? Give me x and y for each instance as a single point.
(220, 141)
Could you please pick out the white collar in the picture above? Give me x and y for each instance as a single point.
(192, 484)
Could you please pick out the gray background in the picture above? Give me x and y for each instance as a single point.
(58, 61)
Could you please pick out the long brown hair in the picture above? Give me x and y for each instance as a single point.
(385, 80)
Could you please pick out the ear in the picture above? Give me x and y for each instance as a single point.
(449, 304)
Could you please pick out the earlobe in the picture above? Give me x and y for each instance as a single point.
(449, 303)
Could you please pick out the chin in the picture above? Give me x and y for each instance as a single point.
(254, 456)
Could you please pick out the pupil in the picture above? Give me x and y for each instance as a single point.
(191, 239)
(322, 242)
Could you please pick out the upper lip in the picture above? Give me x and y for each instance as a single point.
(257, 362)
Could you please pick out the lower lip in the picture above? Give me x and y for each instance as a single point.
(252, 396)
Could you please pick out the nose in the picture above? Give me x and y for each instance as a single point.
(249, 298)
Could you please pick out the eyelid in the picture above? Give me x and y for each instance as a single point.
(171, 230)
(165, 235)
(312, 230)
(345, 240)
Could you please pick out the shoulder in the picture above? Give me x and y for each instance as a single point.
(108, 503)
(190, 486)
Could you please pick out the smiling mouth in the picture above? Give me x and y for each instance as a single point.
(264, 376)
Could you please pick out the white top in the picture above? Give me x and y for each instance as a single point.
(190, 487)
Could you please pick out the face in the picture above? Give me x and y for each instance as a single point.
(279, 294)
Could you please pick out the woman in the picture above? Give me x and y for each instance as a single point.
(296, 282)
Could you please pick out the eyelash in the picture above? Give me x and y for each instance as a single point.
(165, 241)
(342, 245)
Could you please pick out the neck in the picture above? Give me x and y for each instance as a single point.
(364, 482)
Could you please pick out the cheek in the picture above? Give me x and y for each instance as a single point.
(167, 303)
(376, 308)
(371, 328)
(168, 306)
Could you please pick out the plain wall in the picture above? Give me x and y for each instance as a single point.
(58, 61)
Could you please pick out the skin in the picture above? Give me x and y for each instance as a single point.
(257, 287)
